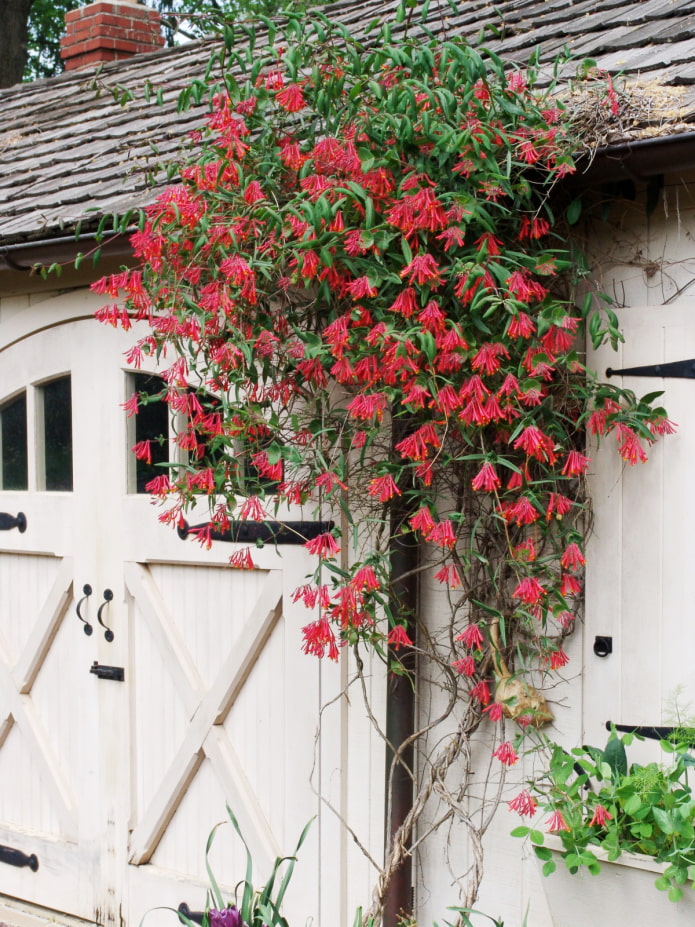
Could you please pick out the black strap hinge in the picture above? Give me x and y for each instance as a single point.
(684, 370)
(268, 532)
(651, 732)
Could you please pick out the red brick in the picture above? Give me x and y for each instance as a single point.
(105, 31)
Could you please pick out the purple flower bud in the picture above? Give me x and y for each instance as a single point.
(229, 917)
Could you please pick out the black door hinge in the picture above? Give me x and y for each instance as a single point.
(684, 370)
(268, 532)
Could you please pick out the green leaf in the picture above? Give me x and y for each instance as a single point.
(537, 837)
(615, 756)
(549, 867)
(674, 893)
(574, 211)
(633, 804)
(663, 819)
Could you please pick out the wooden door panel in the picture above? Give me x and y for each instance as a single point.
(202, 705)
(642, 548)
(47, 764)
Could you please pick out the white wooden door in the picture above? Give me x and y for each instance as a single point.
(115, 784)
(49, 714)
(642, 550)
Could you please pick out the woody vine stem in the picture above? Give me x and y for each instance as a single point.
(366, 239)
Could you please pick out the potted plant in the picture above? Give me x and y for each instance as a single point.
(602, 810)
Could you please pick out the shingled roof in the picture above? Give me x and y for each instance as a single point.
(71, 151)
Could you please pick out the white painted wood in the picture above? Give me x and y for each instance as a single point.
(49, 743)
(121, 783)
(642, 549)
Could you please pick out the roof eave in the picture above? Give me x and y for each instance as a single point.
(639, 159)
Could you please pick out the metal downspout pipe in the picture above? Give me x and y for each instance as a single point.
(400, 708)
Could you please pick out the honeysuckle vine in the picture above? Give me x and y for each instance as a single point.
(359, 293)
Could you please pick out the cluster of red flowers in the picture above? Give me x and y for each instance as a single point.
(364, 248)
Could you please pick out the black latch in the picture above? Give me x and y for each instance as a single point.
(684, 370)
(603, 645)
(8, 522)
(14, 857)
(116, 673)
(188, 915)
(269, 532)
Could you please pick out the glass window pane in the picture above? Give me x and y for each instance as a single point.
(13, 434)
(57, 425)
(151, 424)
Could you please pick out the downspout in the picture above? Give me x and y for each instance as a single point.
(400, 703)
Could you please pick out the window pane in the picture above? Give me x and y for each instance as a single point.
(57, 425)
(151, 424)
(13, 433)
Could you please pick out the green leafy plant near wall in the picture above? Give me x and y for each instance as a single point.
(361, 278)
(596, 801)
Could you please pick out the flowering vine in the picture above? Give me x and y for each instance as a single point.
(358, 295)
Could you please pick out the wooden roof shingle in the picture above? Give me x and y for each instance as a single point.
(70, 154)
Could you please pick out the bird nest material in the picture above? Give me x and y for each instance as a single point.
(606, 112)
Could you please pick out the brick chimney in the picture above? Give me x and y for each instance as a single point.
(108, 30)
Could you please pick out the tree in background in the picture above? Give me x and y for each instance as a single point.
(30, 39)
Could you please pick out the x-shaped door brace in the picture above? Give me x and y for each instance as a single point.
(207, 709)
(18, 706)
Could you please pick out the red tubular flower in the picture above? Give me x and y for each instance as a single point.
(576, 464)
(291, 98)
(506, 753)
(601, 817)
(242, 559)
(630, 449)
(524, 804)
(471, 637)
(495, 712)
(557, 659)
(481, 692)
(569, 585)
(533, 228)
(523, 512)
(536, 444)
(449, 576)
(361, 287)
(529, 591)
(252, 509)
(423, 269)
(558, 505)
(405, 303)
(442, 534)
(521, 326)
(368, 406)
(323, 545)
(143, 451)
(465, 666)
(572, 558)
(487, 358)
(319, 636)
(253, 193)
(422, 520)
(556, 823)
(487, 479)
(398, 637)
(365, 579)
(383, 487)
